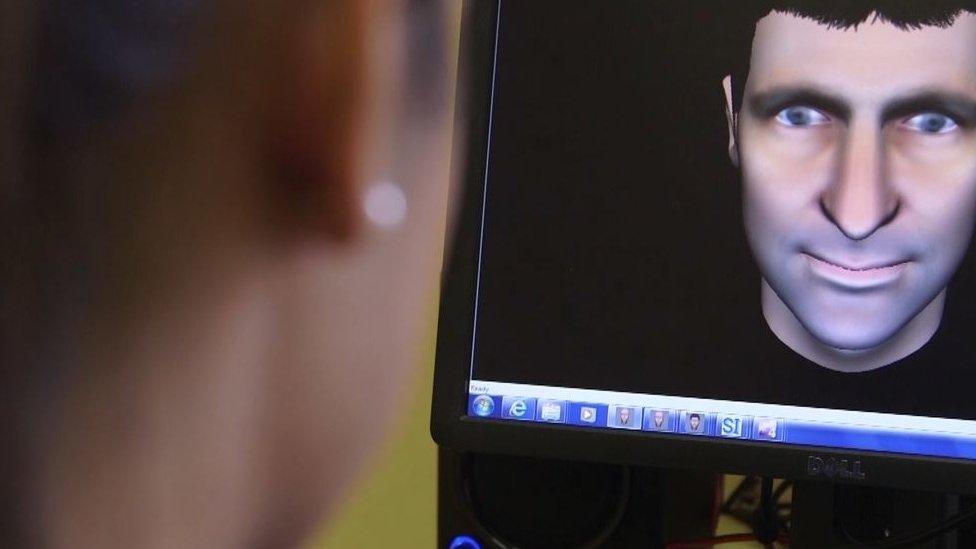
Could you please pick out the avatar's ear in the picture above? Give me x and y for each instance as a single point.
(316, 119)
(730, 117)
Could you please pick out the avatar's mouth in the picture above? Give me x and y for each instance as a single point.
(856, 277)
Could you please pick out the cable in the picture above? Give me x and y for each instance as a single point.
(910, 540)
(768, 527)
(736, 494)
(781, 489)
(765, 520)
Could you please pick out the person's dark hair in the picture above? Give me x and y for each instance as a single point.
(840, 14)
(67, 65)
(96, 56)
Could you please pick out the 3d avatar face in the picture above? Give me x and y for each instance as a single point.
(857, 149)
(623, 414)
(658, 419)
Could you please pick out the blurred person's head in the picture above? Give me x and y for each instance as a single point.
(222, 228)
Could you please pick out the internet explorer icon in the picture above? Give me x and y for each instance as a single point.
(519, 408)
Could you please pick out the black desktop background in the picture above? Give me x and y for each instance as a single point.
(614, 254)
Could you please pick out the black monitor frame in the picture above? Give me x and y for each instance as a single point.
(451, 426)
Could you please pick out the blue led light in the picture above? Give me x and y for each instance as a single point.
(464, 542)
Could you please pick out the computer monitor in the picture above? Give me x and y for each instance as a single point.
(716, 236)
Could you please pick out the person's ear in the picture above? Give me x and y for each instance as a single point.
(316, 119)
(730, 117)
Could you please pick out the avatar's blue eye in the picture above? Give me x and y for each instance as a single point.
(931, 122)
(799, 116)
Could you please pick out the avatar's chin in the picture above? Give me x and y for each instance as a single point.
(851, 342)
(855, 347)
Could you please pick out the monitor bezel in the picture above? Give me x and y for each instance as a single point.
(451, 427)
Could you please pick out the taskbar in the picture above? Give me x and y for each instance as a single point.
(867, 431)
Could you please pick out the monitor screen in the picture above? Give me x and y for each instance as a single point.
(727, 224)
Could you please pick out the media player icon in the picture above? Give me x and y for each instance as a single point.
(588, 414)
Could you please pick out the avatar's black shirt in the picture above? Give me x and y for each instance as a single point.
(938, 380)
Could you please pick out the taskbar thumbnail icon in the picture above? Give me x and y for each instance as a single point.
(625, 417)
(769, 429)
(693, 423)
(731, 426)
(586, 414)
(659, 419)
(552, 411)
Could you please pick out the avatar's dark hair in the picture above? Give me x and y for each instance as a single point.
(839, 14)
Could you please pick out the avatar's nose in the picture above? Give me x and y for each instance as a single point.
(860, 199)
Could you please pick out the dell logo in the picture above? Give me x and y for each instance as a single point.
(834, 468)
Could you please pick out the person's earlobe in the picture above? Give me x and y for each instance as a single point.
(730, 117)
(315, 146)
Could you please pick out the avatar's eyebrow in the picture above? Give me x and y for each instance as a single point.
(770, 102)
(959, 107)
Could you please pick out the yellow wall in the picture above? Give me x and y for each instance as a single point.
(395, 506)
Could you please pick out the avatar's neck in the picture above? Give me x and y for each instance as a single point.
(909, 339)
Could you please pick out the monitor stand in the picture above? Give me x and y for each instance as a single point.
(839, 515)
